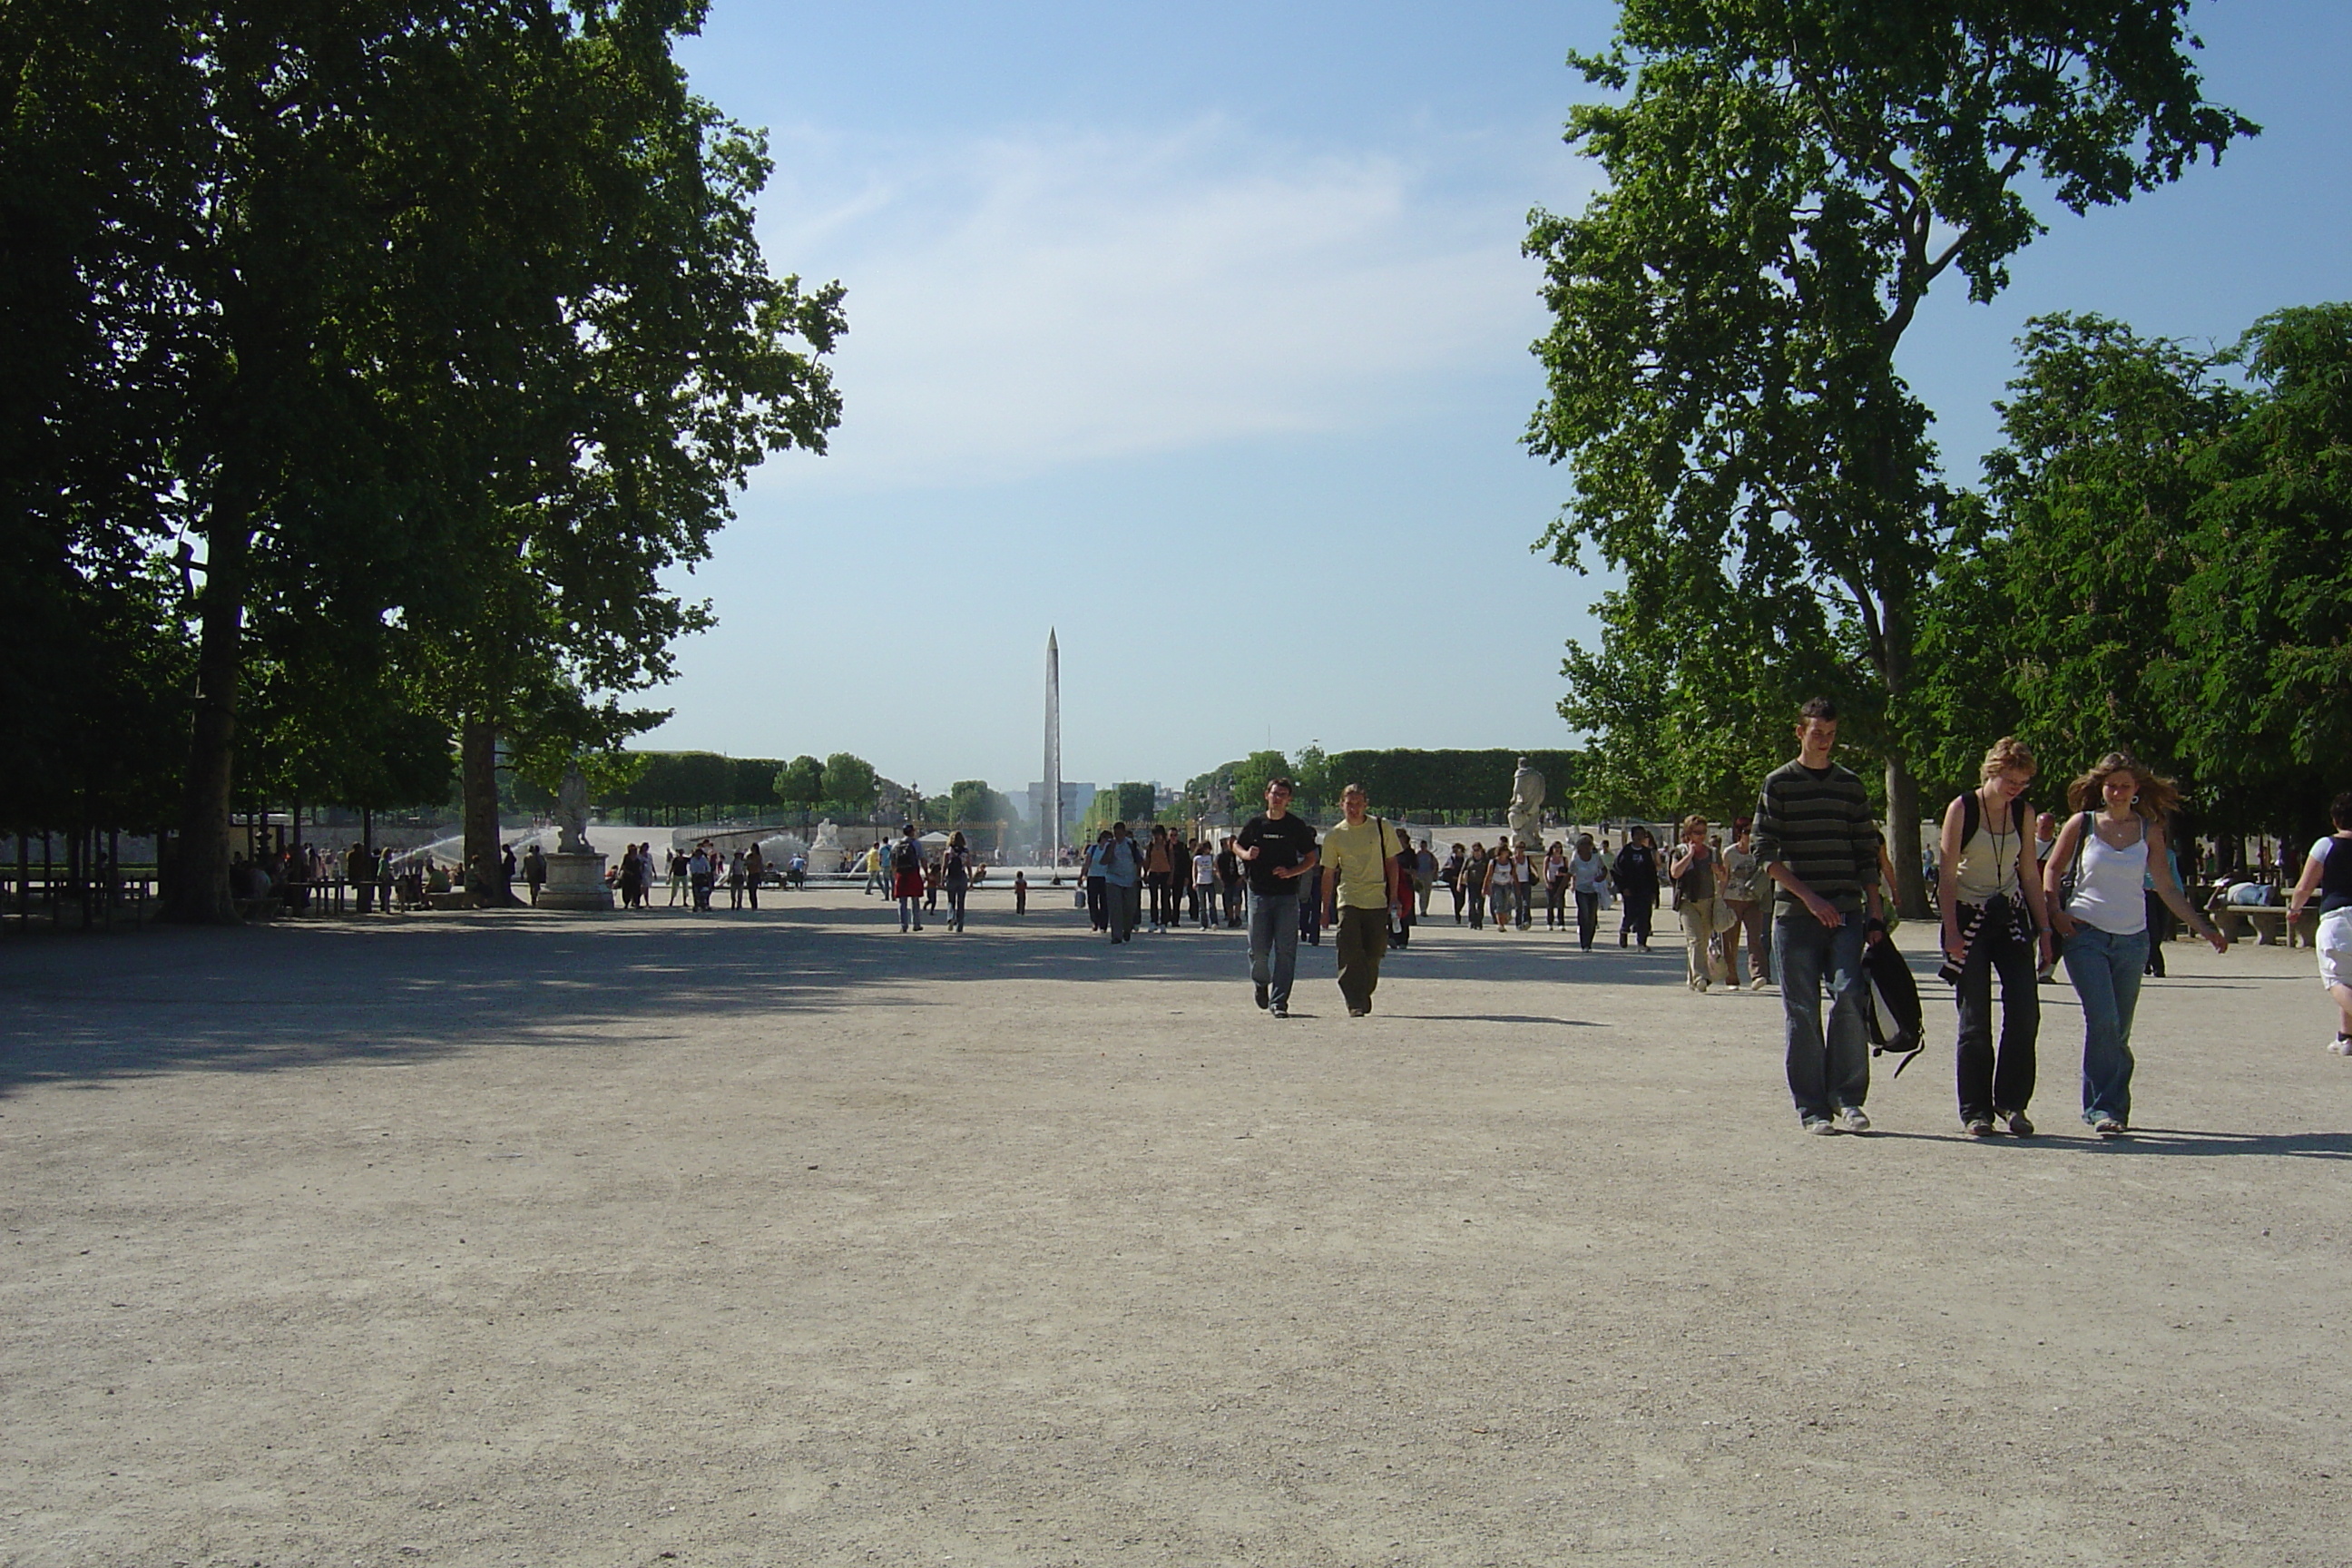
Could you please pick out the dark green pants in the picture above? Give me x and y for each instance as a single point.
(1363, 939)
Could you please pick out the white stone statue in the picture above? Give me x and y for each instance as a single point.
(571, 814)
(1526, 811)
(828, 840)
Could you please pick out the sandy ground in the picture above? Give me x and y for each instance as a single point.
(787, 1239)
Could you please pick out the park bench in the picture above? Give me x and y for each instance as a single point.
(2266, 924)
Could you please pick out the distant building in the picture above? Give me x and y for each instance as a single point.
(1075, 798)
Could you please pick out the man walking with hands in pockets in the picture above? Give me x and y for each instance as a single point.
(1816, 838)
(1359, 880)
(1276, 849)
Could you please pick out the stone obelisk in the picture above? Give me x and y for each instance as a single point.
(1049, 819)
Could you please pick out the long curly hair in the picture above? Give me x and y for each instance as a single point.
(2158, 798)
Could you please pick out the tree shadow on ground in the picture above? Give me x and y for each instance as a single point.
(411, 988)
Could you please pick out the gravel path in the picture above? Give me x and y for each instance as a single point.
(787, 1239)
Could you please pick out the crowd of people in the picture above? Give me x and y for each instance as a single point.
(1804, 885)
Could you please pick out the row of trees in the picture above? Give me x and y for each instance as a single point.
(842, 786)
(1442, 782)
(2152, 560)
(367, 362)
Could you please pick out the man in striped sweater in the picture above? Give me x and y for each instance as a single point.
(1816, 838)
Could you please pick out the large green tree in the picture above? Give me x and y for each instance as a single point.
(1786, 181)
(658, 362)
(852, 787)
(801, 783)
(2051, 613)
(93, 666)
(2264, 675)
(472, 343)
(2163, 564)
(325, 253)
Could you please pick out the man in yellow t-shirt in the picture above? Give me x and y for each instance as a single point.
(1357, 882)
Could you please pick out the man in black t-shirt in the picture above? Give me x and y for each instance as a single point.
(1278, 849)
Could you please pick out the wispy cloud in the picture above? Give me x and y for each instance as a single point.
(1021, 303)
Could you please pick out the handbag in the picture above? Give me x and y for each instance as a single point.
(2067, 878)
(1726, 917)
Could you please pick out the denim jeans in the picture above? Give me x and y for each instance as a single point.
(1828, 1071)
(1126, 903)
(1273, 935)
(1588, 918)
(2106, 969)
(1990, 1083)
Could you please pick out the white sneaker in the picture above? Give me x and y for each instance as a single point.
(1853, 1120)
(1760, 984)
(2340, 1045)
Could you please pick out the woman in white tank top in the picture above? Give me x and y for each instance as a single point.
(2112, 855)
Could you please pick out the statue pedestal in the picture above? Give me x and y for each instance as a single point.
(576, 882)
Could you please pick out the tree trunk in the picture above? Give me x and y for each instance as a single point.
(478, 754)
(199, 893)
(1893, 659)
(1903, 840)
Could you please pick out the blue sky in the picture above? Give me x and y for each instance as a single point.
(1201, 334)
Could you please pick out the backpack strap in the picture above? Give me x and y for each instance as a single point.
(1970, 817)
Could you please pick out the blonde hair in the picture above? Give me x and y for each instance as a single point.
(1693, 821)
(2008, 752)
(2158, 799)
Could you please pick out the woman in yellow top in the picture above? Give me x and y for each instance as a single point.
(1988, 885)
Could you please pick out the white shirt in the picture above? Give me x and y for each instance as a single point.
(2110, 889)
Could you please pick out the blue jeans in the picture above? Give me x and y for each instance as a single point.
(2106, 969)
(1273, 935)
(1828, 1072)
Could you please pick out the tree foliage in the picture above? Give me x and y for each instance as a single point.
(1400, 781)
(1247, 779)
(852, 787)
(971, 803)
(2163, 564)
(367, 366)
(800, 783)
(1787, 180)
